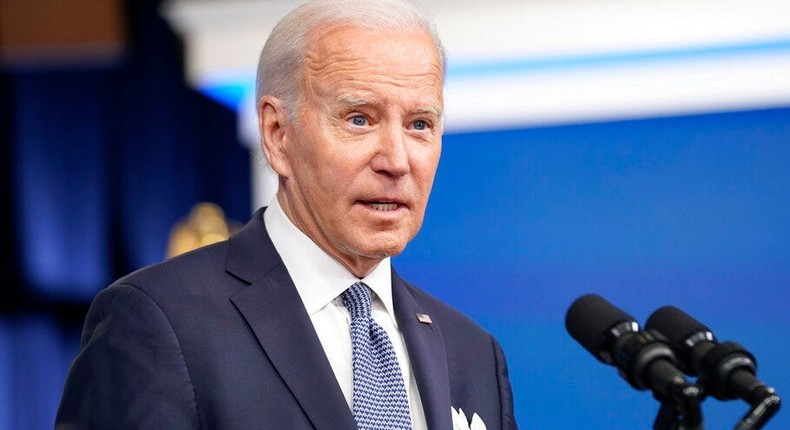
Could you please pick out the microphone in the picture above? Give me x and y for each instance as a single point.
(643, 358)
(726, 370)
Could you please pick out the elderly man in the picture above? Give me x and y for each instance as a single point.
(298, 321)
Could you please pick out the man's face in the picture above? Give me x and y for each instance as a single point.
(359, 161)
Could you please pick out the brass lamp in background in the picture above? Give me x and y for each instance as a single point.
(206, 224)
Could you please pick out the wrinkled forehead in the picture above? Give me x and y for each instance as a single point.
(356, 46)
(317, 49)
(355, 61)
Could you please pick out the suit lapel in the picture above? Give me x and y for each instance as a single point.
(427, 355)
(274, 311)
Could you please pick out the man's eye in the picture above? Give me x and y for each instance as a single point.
(420, 124)
(359, 120)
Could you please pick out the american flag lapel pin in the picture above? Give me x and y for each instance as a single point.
(424, 318)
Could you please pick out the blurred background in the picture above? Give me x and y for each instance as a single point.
(636, 149)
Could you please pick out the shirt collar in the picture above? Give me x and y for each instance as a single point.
(318, 277)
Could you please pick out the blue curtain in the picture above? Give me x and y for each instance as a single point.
(97, 163)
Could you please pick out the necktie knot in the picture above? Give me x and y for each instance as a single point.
(357, 300)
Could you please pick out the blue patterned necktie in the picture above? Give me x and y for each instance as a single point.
(380, 401)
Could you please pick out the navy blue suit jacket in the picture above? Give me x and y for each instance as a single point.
(219, 339)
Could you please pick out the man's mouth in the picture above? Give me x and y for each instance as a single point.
(382, 206)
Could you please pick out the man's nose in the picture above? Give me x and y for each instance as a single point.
(392, 155)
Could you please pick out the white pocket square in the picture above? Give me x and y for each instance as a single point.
(461, 423)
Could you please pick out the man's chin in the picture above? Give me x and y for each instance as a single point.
(383, 245)
(379, 251)
(374, 246)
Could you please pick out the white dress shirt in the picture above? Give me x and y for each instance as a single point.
(320, 280)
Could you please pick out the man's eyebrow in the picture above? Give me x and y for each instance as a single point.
(351, 100)
(357, 101)
(431, 110)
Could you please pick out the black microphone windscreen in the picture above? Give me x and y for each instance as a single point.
(675, 325)
(589, 319)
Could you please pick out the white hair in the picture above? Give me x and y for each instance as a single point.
(280, 68)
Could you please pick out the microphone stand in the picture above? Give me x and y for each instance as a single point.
(765, 402)
(680, 409)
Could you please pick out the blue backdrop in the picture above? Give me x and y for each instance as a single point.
(691, 211)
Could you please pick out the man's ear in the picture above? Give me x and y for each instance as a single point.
(273, 123)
